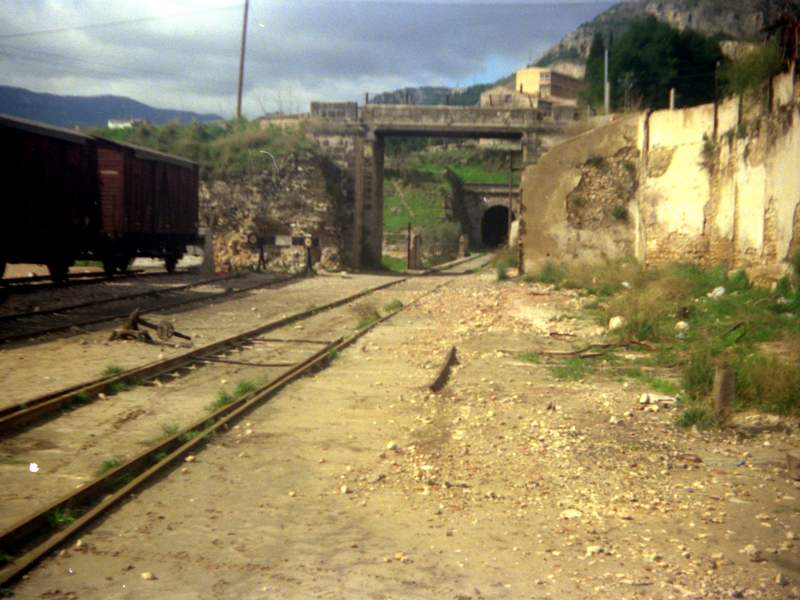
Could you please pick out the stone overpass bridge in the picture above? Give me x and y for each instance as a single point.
(354, 138)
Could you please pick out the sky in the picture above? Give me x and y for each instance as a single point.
(184, 54)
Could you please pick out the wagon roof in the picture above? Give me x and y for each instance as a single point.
(148, 154)
(44, 129)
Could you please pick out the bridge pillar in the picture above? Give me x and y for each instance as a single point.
(372, 223)
(531, 147)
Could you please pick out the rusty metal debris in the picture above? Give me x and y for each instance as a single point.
(130, 330)
(444, 372)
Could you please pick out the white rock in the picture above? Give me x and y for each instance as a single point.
(571, 513)
(593, 550)
(148, 576)
(717, 292)
(616, 323)
(753, 553)
(681, 326)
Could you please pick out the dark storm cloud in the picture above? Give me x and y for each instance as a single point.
(185, 54)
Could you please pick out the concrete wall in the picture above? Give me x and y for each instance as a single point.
(731, 199)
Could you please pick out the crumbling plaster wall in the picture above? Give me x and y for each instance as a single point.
(725, 200)
(545, 232)
(732, 200)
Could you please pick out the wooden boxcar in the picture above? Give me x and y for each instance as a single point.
(71, 196)
(149, 204)
(51, 211)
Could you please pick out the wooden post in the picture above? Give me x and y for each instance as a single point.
(724, 392)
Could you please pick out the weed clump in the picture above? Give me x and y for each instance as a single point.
(61, 518)
(725, 321)
(224, 397)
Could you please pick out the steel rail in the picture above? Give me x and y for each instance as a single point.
(46, 281)
(96, 320)
(24, 412)
(67, 307)
(30, 532)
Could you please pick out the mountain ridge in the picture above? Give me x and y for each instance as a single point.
(739, 20)
(87, 111)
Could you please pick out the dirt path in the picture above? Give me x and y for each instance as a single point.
(510, 483)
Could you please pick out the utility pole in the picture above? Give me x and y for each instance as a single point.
(607, 87)
(510, 196)
(241, 62)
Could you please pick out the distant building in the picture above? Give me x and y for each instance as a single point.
(537, 88)
(124, 123)
(547, 84)
(502, 96)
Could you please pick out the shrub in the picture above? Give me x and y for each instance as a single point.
(619, 212)
(751, 71)
(551, 273)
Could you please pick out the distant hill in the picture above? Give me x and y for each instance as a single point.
(87, 111)
(432, 96)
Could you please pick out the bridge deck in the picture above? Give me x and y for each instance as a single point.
(437, 121)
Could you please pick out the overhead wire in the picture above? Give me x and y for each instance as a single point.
(115, 23)
(82, 66)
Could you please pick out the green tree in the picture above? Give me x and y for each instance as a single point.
(593, 94)
(651, 57)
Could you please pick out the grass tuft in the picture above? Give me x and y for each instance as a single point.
(696, 415)
(534, 358)
(573, 370)
(109, 464)
(61, 518)
(112, 370)
(242, 388)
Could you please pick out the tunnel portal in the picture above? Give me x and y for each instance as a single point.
(494, 226)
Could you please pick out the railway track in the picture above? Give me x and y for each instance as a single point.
(33, 323)
(34, 536)
(38, 283)
(21, 285)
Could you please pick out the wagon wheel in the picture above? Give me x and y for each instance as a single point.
(169, 263)
(58, 270)
(125, 261)
(109, 266)
(165, 330)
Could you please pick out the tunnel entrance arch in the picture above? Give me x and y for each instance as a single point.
(495, 225)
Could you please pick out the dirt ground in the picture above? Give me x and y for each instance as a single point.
(358, 482)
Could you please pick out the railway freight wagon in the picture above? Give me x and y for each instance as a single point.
(149, 204)
(50, 207)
